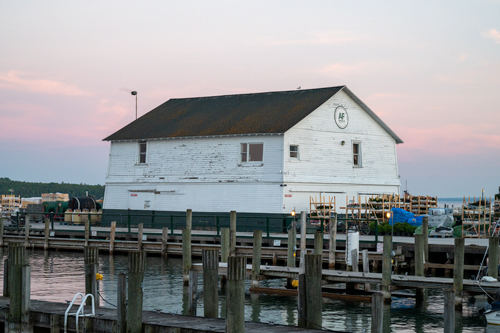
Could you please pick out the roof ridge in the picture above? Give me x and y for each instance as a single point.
(258, 93)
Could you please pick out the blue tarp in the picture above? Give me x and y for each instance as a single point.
(399, 215)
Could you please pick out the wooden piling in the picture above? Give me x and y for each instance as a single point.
(303, 229)
(189, 219)
(291, 251)
(366, 266)
(302, 301)
(1, 231)
(121, 301)
(17, 259)
(140, 233)
(6, 278)
(458, 271)
(314, 301)
(256, 258)
(419, 266)
(47, 235)
(355, 260)
(224, 253)
(318, 243)
(377, 313)
(449, 311)
(425, 234)
(193, 286)
(112, 234)
(87, 232)
(55, 323)
(303, 251)
(211, 283)
(27, 231)
(232, 233)
(186, 255)
(291, 246)
(186, 248)
(235, 307)
(354, 267)
(91, 261)
(419, 255)
(136, 267)
(164, 242)
(386, 269)
(26, 325)
(224, 243)
(332, 242)
(493, 257)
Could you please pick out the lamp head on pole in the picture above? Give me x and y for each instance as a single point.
(134, 93)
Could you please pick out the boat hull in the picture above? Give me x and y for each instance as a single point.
(493, 317)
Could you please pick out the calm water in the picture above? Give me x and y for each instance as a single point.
(455, 202)
(58, 276)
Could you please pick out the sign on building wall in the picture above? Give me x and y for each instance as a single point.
(141, 201)
(341, 117)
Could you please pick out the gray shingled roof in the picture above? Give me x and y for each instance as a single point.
(271, 112)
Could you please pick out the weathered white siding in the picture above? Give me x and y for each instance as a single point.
(325, 166)
(204, 174)
(201, 197)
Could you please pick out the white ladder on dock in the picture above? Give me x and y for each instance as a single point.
(80, 312)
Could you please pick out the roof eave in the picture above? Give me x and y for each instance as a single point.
(372, 114)
(195, 137)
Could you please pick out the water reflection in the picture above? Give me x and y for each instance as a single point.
(58, 276)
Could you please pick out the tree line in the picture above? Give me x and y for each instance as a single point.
(28, 190)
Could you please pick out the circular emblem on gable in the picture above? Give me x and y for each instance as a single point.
(341, 117)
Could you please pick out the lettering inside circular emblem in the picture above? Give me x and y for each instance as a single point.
(341, 117)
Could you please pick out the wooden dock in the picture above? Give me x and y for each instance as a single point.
(50, 317)
(64, 237)
(398, 281)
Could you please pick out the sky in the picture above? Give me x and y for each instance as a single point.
(429, 69)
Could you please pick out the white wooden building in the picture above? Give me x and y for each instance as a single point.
(255, 153)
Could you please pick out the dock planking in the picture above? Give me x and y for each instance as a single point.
(398, 281)
(103, 321)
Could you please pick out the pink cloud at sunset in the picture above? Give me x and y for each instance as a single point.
(12, 81)
(492, 34)
(454, 139)
(430, 73)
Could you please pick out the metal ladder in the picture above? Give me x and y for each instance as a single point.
(80, 312)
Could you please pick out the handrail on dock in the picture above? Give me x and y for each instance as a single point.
(80, 312)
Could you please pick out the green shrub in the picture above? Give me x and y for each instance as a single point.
(372, 225)
(384, 228)
(400, 227)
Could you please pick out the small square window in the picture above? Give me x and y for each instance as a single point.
(294, 151)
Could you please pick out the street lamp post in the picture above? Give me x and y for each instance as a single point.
(134, 93)
(391, 217)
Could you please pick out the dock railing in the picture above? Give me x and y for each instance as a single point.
(273, 224)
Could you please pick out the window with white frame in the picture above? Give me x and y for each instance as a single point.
(356, 153)
(142, 152)
(252, 152)
(294, 151)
